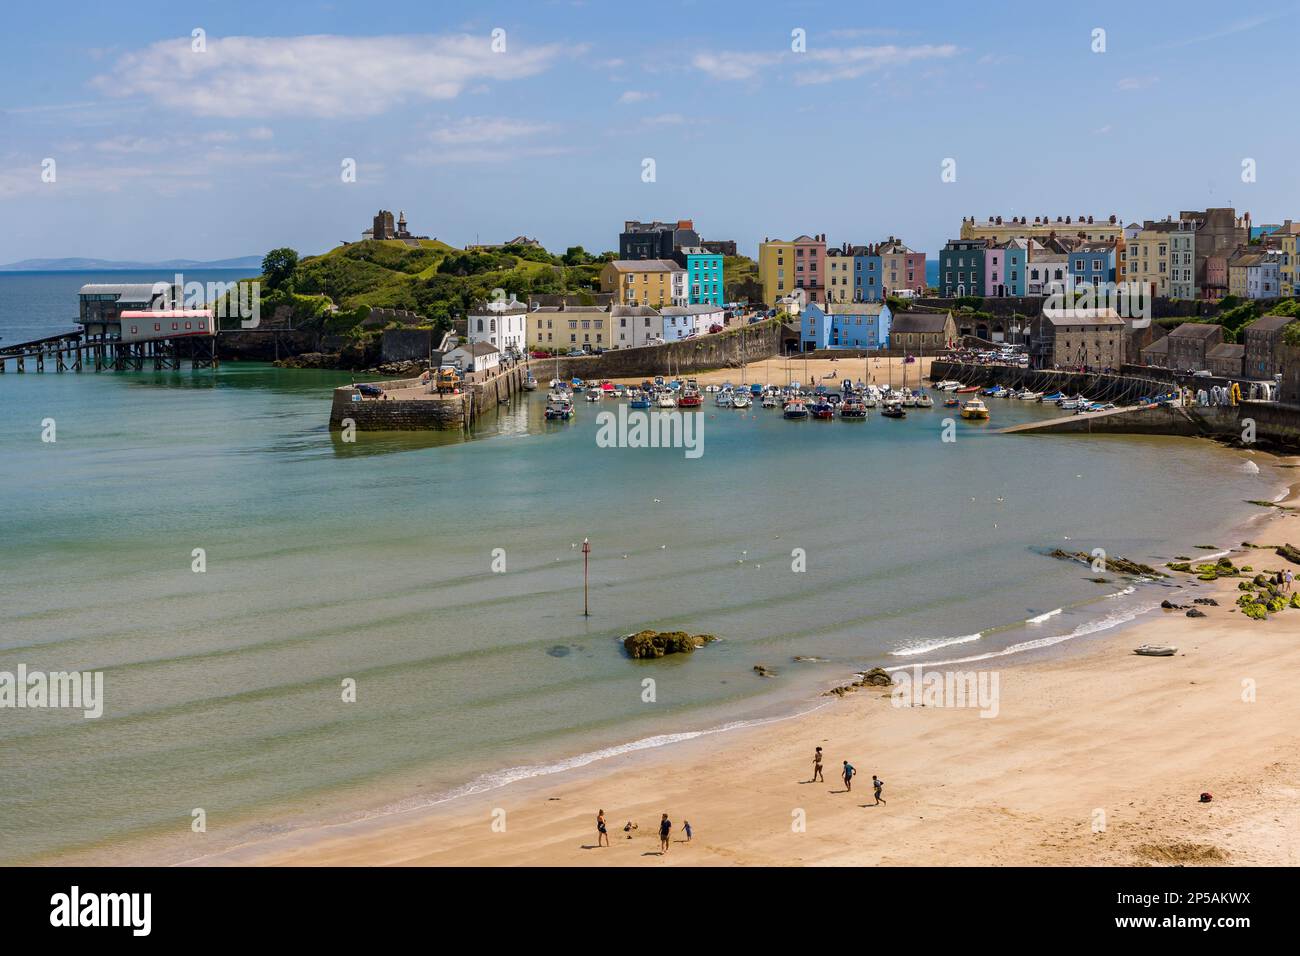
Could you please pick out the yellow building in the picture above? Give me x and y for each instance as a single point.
(1040, 227)
(837, 269)
(562, 328)
(1147, 257)
(1286, 235)
(776, 269)
(652, 282)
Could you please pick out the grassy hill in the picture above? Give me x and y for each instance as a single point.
(432, 279)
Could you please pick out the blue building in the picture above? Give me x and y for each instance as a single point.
(1093, 263)
(844, 325)
(867, 284)
(704, 280)
(961, 267)
(1005, 272)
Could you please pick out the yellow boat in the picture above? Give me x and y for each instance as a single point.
(975, 409)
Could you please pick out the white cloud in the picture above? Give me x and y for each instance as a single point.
(322, 76)
(486, 129)
(849, 63)
(733, 65)
(636, 96)
(820, 65)
(1131, 83)
(666, 119)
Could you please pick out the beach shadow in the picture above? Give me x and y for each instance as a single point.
(653, 853)
(839, 791)
(592, 846)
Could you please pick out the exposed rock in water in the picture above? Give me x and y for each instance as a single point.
(1195, 613)
(1210, 601)
(876, 677)
(1171, 606)
(559, 650)
(644, 645)
(762, 670)
(1116, 565)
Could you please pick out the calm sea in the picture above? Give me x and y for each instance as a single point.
(372, 562)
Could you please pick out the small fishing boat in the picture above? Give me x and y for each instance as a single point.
(1156, 650)
(975, 410)
(723, 398)
(853, 409)
(741, 400)
(1028, 396)
(530, 383)
(795, 408)
(951, 402)
(1053, 397)
(966, 389)
(666, 399)
(771, 400)
(823, 410)
(558, 408)
(594, 395)
(923, 400)
(638, 399)
(690, 397)
(893, 410)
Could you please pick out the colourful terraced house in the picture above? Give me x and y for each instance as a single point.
(704, 275)
(844, 325)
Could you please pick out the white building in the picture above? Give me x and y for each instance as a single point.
(682, 321)
(1046, 271)
(634, 325)
(1264, 276)
(500, 323)
(474, 357)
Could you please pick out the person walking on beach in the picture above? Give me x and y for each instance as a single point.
(849, 773)
(665, 831)
(817, 767)
(878, 784)
(602, 832)
(1290, 576)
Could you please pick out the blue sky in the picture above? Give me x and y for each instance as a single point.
(162, 152)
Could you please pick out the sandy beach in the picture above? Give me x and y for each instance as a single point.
(782, 371)
(1096, 756)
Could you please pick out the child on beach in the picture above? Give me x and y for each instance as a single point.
(602, 832)
(687, 828)
(848, 775)
(817, 767)
(628, 828)
(877, 784)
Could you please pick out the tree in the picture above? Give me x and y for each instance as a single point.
(278, 267)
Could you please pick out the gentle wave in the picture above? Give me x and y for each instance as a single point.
(1103, 623)
(1043, 617)
(926, 646)
(502, 778)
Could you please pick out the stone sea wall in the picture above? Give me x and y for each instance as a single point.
(729, 349)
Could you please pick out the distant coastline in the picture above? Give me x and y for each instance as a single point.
(110, 265)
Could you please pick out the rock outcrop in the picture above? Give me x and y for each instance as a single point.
(646, 645)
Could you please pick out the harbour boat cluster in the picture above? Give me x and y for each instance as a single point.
(847, 400)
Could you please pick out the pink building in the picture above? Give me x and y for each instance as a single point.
(810, 266)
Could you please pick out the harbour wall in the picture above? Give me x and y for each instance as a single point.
(424, 411)
(729, 349)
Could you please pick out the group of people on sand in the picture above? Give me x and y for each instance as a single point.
(1283, 579)
(847, 775)
(665, 831)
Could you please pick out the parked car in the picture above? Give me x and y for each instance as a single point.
(575, 353)
(371, 391)
(714, 328)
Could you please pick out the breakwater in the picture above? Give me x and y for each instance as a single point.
(409, 405)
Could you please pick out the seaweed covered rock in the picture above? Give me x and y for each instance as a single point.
(1114, 564)
(1275, 604)
(877, 677)
(645, 645)
(1179, 566)
(1290, 552)
(1256, 612)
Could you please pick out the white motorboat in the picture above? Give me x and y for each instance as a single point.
(741, 400)
(723, 399)
(665, 399)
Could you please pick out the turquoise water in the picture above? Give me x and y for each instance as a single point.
(372, 561)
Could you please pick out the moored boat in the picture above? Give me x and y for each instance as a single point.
(795, 408)
(893, 410)
(741, 400)
(853, 409)
(975, 410)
